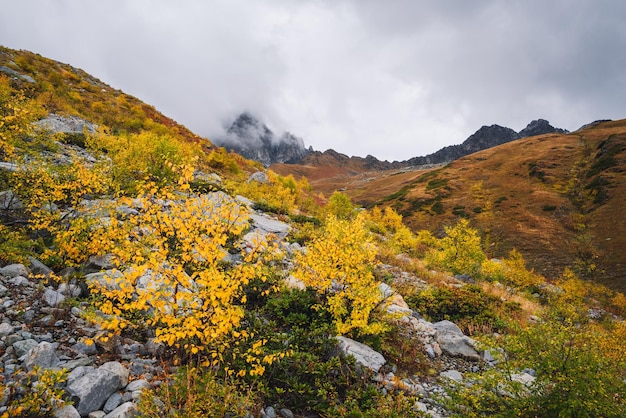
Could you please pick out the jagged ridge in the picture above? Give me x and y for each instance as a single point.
(252, 139)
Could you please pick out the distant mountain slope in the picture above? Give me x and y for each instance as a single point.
(327, 166)
(484, 138)
(252, 139)
(558, 198)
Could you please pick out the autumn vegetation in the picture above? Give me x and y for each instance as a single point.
(237, 338)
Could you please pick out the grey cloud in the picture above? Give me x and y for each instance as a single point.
(393, 79)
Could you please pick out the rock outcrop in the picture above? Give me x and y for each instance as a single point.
(251, 138)
(540, 127)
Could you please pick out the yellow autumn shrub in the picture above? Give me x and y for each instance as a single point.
(138, 157)
(338, 265)
(277, 195)
(396, 235)
(340, 206)
(459, 251)
(174, 275)
(17, 112)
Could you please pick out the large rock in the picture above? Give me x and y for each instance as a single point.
(90, 391)
(14, 270)
(394, 302)
(66, 124)
(364, 355)
(44, 356)
(39, 268)
(293, 283)
(452, 375)
(265, 224)
(97, 263)
(104, 279)
(453, 342)
(53, 298)
(5, 329)
(259, 177)
(67, 411)
(22, 347)
(16, 75)
(9, 201)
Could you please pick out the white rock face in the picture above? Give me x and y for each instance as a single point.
(44, 355)
(364, 355)
(293, 283)
(452, 375)
(72, 124)
(125, 410)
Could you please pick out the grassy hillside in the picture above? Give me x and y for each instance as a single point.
(557, 198)
(53, 87)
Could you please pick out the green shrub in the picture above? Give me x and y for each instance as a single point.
(196, 392)
(575, 376)
(37, 394)
(469, 306)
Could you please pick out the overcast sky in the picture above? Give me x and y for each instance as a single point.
(390, 78)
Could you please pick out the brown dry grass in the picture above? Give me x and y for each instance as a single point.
(527, 306)
(533, 194)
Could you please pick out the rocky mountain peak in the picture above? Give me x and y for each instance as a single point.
(489, 136)
(540, 127)
(251, 138)
(483, 138)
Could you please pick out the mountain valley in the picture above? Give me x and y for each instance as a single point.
(146, 271)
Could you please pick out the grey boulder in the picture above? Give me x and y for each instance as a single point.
(14, 270)
(453, 342)
(125, 410)
(67, 411)
(44, 355)
(90, 391)
(364, 355)
(266, 225)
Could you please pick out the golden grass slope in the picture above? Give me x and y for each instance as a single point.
(560, 199)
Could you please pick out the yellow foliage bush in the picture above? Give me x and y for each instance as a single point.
(460, 250)
(278, 194)
(37, 394)
(340, 206)
(511, 271)
(397, 235)
(145, 156)
(338, 265)
(49, 190)
(16, 115)
(175, 277)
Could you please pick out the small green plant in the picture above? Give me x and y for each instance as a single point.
(37, 394)
(196, 392)
(577, 374)
(437, 207)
